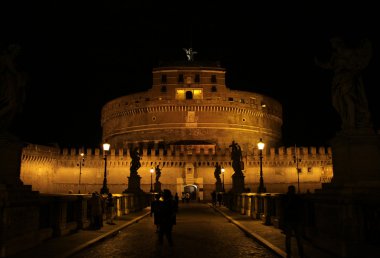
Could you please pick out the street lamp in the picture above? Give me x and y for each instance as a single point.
(261, 188)
(151, 178)
(297, 160)
(80, 164)
(222, 170)
(104, 190)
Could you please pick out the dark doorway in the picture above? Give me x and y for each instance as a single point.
(189, 95)
(192, 190)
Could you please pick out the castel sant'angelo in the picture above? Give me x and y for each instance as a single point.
(184, 125)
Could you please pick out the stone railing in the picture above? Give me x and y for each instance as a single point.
(264, 206)
(62, 214)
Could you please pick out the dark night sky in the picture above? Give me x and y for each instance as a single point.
(78, 57)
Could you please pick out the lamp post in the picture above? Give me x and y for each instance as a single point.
(104, 190)
(151, 179)
(222, 170)
(260, 146)
(297, 160)
(80, 164)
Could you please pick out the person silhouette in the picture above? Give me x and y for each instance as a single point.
(166, 217)
(293, 220)
(213, 198)
(154, 211)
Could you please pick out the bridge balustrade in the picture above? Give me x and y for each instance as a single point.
(62, 214)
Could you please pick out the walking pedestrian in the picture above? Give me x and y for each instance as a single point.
(293, 221)
(110, 205)
(187, 197)
(166, 217)
(176, 200)
(154, 210)
(183, 197)
(220, 198)
(213, 198)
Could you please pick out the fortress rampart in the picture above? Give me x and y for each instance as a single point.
(184, 124)
(191, 103)
(55, 170)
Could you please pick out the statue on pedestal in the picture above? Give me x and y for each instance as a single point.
(238, 166)
(12, 86)
(158, 173)
(157, 184)
(348, 94)
(135, 164)
(134, 178)
(217, 172)
(237, 158)
(12, 97)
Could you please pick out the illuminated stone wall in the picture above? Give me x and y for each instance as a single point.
(199, 108)
(51, 170)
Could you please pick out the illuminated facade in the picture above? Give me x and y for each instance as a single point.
(191, 102)
(185, 124)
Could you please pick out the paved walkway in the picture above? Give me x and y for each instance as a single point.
(66, 246)
(269, 236)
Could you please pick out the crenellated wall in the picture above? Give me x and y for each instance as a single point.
(54, 170)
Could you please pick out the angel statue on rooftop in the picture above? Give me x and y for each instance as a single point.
(190, 54)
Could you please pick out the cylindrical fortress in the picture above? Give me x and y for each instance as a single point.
(190, 103)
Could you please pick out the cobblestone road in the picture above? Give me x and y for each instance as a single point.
(200, 232)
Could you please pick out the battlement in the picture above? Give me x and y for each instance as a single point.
(281, 152)
(39, 153)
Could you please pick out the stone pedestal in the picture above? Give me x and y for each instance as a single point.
(10, 159)
(157, 187)
(238, 183)
(133, 184)
(218, 187)
(356, 160)
(19, 219)
(19, 205)
(346, 210)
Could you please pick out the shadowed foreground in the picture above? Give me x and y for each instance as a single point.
(200, 232)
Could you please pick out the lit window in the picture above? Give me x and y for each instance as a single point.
(183, 94)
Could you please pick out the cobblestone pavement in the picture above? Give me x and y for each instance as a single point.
(200, 232)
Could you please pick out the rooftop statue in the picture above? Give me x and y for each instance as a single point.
(190, 54)
(348, 93)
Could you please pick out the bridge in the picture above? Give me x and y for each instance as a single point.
(202, 230)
